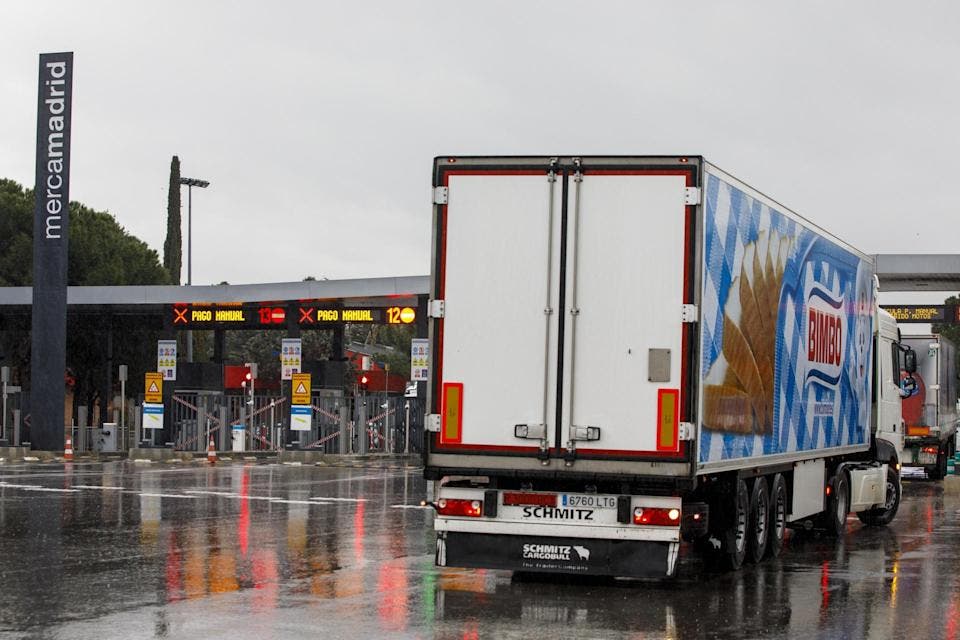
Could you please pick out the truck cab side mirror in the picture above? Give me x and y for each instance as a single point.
(910, 360)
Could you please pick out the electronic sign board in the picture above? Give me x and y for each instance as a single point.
(281, 316)
(934, 313)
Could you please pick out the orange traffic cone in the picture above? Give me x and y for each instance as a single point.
(68, 449)
(211, 453)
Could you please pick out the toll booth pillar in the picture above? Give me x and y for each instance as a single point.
(219, 345)
(336, 344)
(247, 428)
(362, 426)
(139, 436)
(107, 389)
(224, 429)
(81, 443)
(344, 437)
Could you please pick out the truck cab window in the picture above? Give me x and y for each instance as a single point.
(895, 351)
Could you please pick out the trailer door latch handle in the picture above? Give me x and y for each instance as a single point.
(584, 433)
(530, 431)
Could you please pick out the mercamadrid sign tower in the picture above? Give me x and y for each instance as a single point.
(50, 227)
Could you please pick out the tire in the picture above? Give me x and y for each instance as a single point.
(939, 471)
(759, 528)
(838, 505)
(778, 516)
(735, 537)
(883, 515)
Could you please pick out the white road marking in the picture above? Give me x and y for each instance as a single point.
(275, 499)
(36, 487)
(97, 486)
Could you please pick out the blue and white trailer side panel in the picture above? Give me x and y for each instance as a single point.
(787, 313)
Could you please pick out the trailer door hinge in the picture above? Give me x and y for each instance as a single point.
(688, 313)
(440, 195)
(691, 195)
(433, 423)
(686, 431)
(436, 309)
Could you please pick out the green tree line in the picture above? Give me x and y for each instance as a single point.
(100, 252)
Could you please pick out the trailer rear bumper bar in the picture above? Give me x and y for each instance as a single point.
(544, 554)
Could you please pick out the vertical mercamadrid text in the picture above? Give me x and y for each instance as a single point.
(54, 98)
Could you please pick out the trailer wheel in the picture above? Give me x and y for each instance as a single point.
(778, 516)
(939, 471)
(883, 515)
(735, 537)
(838, 505)
(759, 531)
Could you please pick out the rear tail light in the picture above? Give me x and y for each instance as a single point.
(930, 450)
(458, 507)
(658, 516)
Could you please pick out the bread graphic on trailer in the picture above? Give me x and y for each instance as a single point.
(738, 395)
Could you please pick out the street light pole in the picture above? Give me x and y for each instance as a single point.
(191, 183)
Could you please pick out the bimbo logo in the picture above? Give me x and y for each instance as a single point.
(826, 336)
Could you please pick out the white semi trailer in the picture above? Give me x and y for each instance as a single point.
(633, 351)
(930, 411)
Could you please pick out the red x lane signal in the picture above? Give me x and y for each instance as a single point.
(180, 315)
(306, 315)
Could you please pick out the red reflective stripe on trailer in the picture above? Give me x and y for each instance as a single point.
(451, 428)
(622, 454)
(668, 422)
(679, 451)
(442, 284)
(481, 448)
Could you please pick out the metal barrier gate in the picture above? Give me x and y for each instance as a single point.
(260, 423)
(341, 424)
(195, 418)
(329, 431)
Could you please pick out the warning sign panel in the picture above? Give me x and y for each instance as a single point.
(301, 418)
(301, 388)
(153, 387)
(167, 359)
(152, 416)
(290, 358)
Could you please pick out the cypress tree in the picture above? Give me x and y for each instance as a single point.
(173, 245)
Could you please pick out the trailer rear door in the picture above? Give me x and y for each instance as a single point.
(498, 266)
(627, 281)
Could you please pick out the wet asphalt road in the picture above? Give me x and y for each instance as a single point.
(124, 550)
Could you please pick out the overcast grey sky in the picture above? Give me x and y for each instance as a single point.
(316, 122)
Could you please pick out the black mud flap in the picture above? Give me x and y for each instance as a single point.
(587, 556)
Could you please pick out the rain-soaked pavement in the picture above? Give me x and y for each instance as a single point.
(124, 550)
